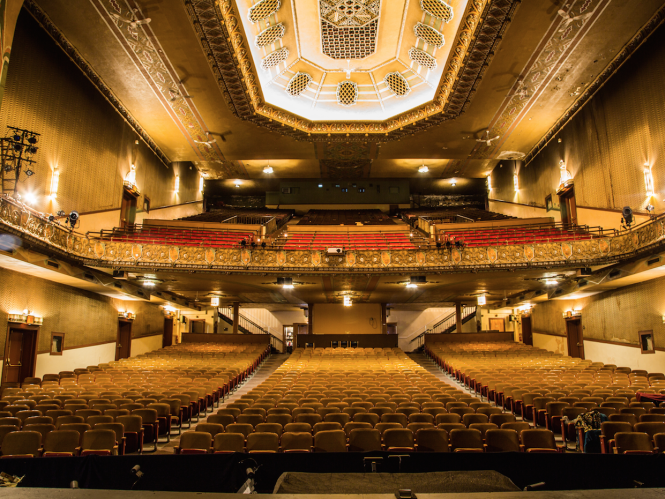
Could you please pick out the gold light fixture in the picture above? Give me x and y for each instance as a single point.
(177, 183)
(648, 179)
(214, 301)
(27, 317)
(130, 316)
(481, 300)
(55, 180)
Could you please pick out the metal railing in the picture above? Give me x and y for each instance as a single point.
(248, 326)
(527, 233)
(156, 234)
(445, 325)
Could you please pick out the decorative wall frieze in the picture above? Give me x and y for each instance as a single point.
(46, 236)
(43, 19)
(484, 24)
(590, 90)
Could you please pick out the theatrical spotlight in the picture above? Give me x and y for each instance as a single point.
(626, 217)
(243, 243)
(263, 245)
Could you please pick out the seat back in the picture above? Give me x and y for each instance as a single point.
(502, 440)
(632, 442)
(229, 443)
(61, 442)
(98, 440)
(22, 443)
(398, 439)
(262, 442)
(538, 439)
(195, 442)
(364, 440)
(330, 441)
(465, 439)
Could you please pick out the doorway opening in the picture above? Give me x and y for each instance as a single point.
(128, 209)
(527, 336)
(167, 338)
(123, 347)
(575, 338)
(568, 206)
(20, 353)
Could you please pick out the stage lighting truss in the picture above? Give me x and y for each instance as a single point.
(17, 149)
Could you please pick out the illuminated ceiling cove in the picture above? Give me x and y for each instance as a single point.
(350, 60)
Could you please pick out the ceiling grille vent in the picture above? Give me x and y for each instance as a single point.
(422, 58)
(298, 84)
(429, 35)
(263, 9)
(270, 35)
(275, 58)
(397, 83)
(347, 93)
(437, 8)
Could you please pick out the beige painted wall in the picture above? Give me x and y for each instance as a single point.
(624, 356)
(551, 343)
(95, 222)
(146, 344)
(74, 358)
(334, 318)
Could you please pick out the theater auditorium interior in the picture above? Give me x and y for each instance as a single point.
(245, 248)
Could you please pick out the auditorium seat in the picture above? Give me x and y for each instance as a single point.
(21, 444)
(194, 442)
(330, 441)
(632, 443)
(465, 440)
(228, 443)
(539, 440)
(61, 443)
(263, 443)
(296, 442)
(502, 440)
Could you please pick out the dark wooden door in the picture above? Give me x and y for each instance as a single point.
(568, 206)
(167, 339)
(21, 354)
(124, 342)
(575, 338)
(391, 328)
(527, 337)
(127, 209)
(301, 328)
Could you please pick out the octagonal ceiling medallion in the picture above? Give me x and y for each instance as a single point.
(358, 67)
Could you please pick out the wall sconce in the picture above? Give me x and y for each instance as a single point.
(130, 316)
(453, 182)
(177, 183)
(648, 180)
(423, 168)
(347, 301)
(568, 314)
(663, 319)
(214, 301)
(25, 318)
(516, 182)
(268, 169)
(201, 183)
(481, 300)
(489, 182)
(55, 180)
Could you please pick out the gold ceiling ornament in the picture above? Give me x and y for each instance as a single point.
(347, 93)
(429, 35)
(298, 84)
(270, 35)
(349, 28)
(263, 9)
(471, 25)
(423, 58)
(438, 9)
(273, 59)
(397, 83)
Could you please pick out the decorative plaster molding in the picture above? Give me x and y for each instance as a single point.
(45, 22)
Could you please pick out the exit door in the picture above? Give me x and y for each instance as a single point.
(20, 354)
(527, 337)
(575, 338)
(127, 209)
(167, 339)
(568, 206)
(124, 342)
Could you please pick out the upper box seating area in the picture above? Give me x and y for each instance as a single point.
(180, 236)
(118, 407)
(454, 215)
(345, 217)
(509, 235)
(218, 216)
(366, 241)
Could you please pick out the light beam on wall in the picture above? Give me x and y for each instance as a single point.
(177, 183)
(516, 182)
(648, 179)
(201, 184)
(55, 180)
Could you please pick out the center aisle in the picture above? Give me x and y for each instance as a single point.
(260, 375)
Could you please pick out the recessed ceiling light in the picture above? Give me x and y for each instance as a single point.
(551, 282)
(268, 169)
(411, 285)
(423, 169)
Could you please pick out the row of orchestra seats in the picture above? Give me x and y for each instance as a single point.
(181, 237)
(218, 216)
(554, 392)
(141, 400)
(367, 241)
(453, 215)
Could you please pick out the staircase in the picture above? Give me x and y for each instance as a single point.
(444, 325)
(248, 326)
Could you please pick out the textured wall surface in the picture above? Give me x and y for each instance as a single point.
(607, 143)
(613, 316)
(81, 133)
(85, 317)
